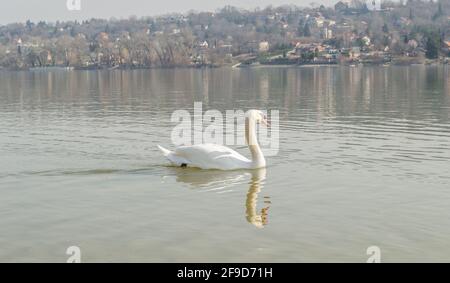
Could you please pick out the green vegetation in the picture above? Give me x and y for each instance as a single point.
(432, 45)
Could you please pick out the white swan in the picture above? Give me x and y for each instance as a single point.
(214, 156)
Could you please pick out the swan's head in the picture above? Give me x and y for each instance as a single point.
(258, 116)
(254, 117)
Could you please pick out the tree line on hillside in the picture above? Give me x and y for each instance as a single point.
(222, 37)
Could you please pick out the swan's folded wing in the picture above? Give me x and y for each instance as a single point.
(211, 156)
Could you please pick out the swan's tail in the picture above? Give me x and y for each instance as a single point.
(165, 152)
(173, 157)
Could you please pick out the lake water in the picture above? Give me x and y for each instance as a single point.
(364, 160)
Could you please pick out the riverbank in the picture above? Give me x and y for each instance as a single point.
(393, 62)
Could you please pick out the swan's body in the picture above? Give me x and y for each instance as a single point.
(209, 156)
(214, 156)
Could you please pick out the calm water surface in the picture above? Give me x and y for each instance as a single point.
(364, 160)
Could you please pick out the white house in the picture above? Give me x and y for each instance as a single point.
(204, 44)
(264, 46)
(366, 40)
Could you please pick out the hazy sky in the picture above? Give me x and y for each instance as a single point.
(52, 10)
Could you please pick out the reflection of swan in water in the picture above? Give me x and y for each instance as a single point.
(256, 184)
(210, 179)
(220, 180)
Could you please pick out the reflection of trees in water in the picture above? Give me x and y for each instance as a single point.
(321, 92)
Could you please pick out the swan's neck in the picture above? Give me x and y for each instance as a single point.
(258, 159)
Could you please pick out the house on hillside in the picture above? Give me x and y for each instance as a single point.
(355, 52)
(264, 46)
(446, 48)
(203, 45)
(326, 33)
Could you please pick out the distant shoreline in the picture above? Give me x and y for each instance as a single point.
(39, 69)
(345, 33)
